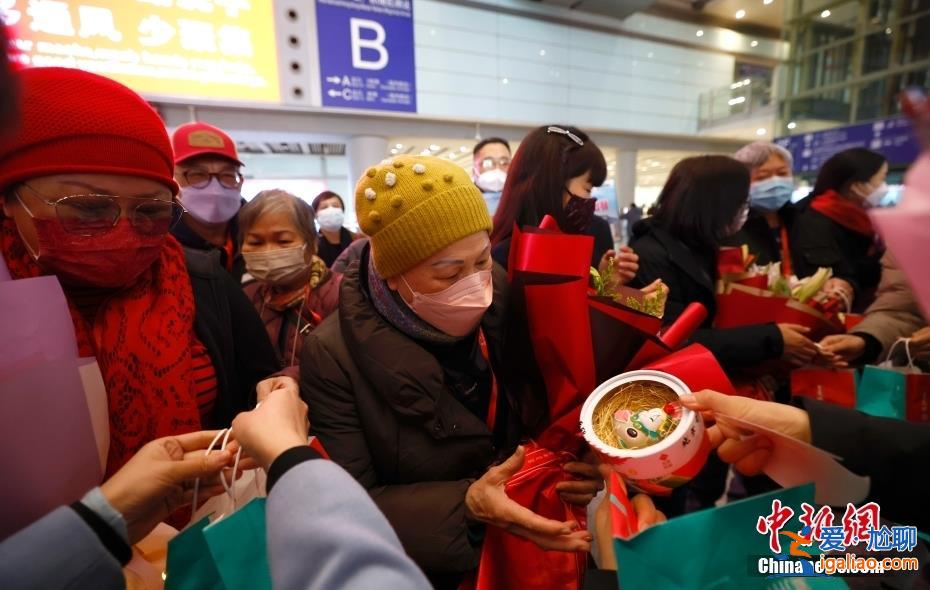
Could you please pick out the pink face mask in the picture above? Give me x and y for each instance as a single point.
(457, 310)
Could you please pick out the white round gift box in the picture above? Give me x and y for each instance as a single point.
(670, 462)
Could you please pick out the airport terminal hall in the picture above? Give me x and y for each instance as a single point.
(465, 294)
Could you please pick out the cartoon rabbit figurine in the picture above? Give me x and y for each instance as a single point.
(636, 430)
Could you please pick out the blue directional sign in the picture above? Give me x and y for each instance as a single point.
(367, 54)
(893, 138)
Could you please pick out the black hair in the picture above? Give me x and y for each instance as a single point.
(846, 167)
(538, 173)
(489, 141)
(324, 196)
(701, 198)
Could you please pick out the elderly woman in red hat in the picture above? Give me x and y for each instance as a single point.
(89, 196)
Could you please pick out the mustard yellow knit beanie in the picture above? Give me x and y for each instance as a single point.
(415, 206)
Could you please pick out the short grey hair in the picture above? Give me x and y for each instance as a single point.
(279, 200)
(757, 153)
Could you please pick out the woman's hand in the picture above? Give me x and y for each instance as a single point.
(278, 423)
(646, 515)
(266, 386)
(625, 265)
(799, 350)
(840, 288)
(920, 344)
(585, 486)
(486, 501)
(159, 479)
(847, 347)
(747, 455)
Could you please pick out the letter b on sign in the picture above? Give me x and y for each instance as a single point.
(357, 25)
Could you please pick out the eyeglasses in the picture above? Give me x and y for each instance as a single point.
(566, 133)
(490, 163)
(94, 215)
(198, 178)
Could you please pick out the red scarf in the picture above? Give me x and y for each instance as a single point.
(844, 212)
(142, 338)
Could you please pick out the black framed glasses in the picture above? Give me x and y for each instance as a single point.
(566, 133)
(199, 178)
(490, 163)
(94, 215)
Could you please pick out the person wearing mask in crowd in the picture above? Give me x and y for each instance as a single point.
(293, 290)
(322, 530)
(894, 314)
(705, 200)
(770, 210)
(330, 212)
(88, 188)
(833, 230)
(408, 384)
(553, 173)
(490, 161)
(207, 168)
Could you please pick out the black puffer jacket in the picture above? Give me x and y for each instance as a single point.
(380, 404)
(689, 276)
(229, 327)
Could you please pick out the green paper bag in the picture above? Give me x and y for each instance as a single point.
(190, 565)
(882, 391)
(713, 549)
(239, 549)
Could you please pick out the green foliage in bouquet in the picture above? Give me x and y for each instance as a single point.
(781, 286)
(652, 304)
(812, 285)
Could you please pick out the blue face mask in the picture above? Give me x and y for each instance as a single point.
(771, 194)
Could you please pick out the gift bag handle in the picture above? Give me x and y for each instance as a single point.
(224, 434)
(232, 480)
(907, 351)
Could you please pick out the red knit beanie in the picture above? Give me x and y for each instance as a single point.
(72, 121)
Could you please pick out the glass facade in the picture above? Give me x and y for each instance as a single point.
(850, 59)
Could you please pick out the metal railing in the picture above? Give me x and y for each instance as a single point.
(740, 99)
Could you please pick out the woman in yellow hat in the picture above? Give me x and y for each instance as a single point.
(408, 385)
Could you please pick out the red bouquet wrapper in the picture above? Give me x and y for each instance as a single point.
(509, 561)
(733, 267)
(579, 340)
(740, 305)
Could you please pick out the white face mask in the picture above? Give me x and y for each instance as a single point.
(331, 218)
(739, 222)
(492, 181)
(457, 310)
(277, 267)
(874, 198)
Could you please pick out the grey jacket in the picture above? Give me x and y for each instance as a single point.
(894, 313)
(324, 532)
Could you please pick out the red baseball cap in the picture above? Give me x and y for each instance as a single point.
(196, 139)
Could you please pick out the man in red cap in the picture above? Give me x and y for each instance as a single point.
(207, 168)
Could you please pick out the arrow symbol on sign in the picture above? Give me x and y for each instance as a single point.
(334, 79)
(334, 93)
